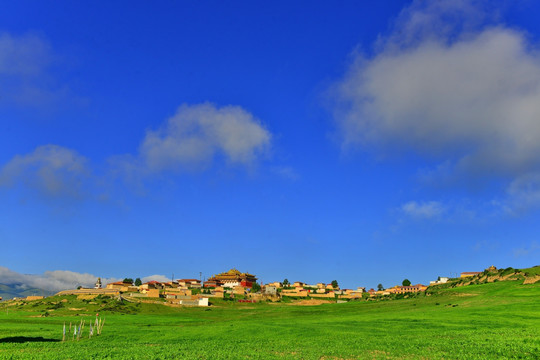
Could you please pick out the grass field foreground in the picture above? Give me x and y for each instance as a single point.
(485, 321)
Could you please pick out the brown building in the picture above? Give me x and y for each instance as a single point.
(211, 284)
(192, 283)
(119, 285)
(277, 284)
(151, 285)
(153, 293)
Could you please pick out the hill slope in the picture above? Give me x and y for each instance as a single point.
(482, 321)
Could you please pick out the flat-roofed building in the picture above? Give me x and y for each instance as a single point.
(469, 273)
(406, 289)
(119, 285)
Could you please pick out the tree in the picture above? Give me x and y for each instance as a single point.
(380, 287)
(285, 282)
(406, 282)
(255, 287)
(334, 284)
(138, 282)
(128, 280)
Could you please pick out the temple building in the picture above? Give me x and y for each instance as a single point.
(231, 279)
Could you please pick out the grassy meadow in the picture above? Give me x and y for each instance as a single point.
(485, 321)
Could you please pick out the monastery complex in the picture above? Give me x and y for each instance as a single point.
(243, 286)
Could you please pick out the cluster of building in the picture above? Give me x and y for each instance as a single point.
(319, 290)
(236, 284)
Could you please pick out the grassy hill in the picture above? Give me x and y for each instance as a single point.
(482, 321)
(527, 276)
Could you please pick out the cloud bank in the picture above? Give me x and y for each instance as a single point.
(51, 169)
(449, 87)
(57, 280)
(192, 139)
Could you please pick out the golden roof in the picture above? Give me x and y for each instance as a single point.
(232, 274)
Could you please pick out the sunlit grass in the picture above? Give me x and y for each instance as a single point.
(486, 321)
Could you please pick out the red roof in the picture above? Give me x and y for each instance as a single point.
(153, 282)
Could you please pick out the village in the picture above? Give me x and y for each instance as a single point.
(243, 287)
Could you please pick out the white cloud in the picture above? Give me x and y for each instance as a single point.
(57, 280)
(425, 210)
(450, 89)
(51, 169)
(197, 132)
(26, 55)
(26, 72)
(286, 172)
(160, 278)
(533, 248)
(195, 136)
(523, 194)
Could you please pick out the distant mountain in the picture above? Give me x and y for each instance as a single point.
(19, 290)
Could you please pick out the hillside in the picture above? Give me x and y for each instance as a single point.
(488, 320)
(527, 276)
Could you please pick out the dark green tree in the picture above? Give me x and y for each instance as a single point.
(128, 280)
(334, 284)
(138, 282)
(406, 282)
(285, 282)
(255, 287)
(380, 287)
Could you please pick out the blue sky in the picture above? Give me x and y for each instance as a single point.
(366, 142)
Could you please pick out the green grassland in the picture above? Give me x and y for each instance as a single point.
(484, 321)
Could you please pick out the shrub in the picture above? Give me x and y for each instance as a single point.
(508, 271)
